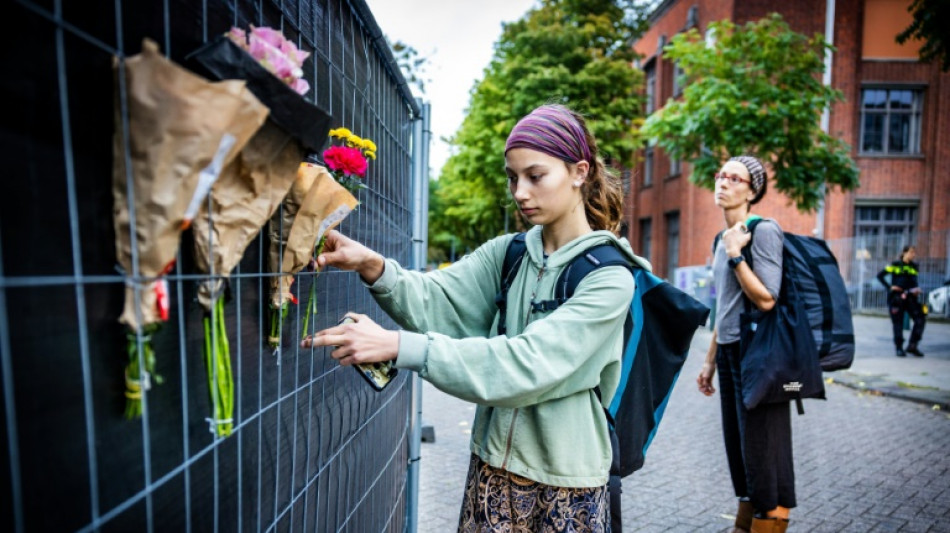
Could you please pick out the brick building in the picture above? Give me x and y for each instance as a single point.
(895, 117)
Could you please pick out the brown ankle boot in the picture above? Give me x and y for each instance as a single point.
(764, 525)
(743, 517)
(781, 524)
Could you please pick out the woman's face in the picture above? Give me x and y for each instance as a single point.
(733, 186)
(910, 255)
(542, 185)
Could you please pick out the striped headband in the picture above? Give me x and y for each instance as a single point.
(553, 130)
(756, 171)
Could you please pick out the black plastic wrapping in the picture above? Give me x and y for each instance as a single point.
(304, 121)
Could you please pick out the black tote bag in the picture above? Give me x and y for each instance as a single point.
(780, 359)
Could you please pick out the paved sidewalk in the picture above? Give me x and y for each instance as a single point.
(878, 370)
(863, 462)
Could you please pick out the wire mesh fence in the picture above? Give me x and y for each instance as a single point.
(313, 448)
(862, 258)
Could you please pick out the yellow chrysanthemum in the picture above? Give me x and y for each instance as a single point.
(340, 133)
(369, 146)
(354, 141)
(370, 154)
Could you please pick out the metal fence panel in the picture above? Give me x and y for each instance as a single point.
(313, 448)
(861, 258)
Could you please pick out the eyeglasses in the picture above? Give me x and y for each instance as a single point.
(733, 179)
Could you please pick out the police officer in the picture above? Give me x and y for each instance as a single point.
(904, 296)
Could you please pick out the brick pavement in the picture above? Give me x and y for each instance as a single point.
(863, 463)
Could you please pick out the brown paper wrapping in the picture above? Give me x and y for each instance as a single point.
(316, 204)
(245, 196)
(177, 121)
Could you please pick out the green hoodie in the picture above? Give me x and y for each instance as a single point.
(537, 415)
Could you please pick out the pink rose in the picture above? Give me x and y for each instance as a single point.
(300, 85)
(268, 35)
(345, 159)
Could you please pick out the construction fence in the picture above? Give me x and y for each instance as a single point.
(313, 447)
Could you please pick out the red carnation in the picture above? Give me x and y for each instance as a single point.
(345, 159)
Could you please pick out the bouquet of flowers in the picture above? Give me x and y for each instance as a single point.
(181, 131)
(246, 195)
(347, 158)
(315, 205)
(275, 53)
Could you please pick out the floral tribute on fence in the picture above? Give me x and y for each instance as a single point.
(181, 131)
(315, 205)
(275, 53)
(348, 158)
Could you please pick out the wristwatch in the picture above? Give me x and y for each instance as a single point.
(734, 261)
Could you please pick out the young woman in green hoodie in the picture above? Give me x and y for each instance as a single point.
(540, 445)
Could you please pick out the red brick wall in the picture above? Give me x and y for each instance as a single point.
(925, 178)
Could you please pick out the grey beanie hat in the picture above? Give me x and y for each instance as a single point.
(756, 174)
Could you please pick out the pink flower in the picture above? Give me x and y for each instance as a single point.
(268, 35)
(296, 55)
(238, 36)
(300, 85)
(346, 160)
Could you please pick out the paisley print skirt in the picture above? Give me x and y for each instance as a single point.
(498, 501)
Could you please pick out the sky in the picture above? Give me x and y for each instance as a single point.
(457, 37)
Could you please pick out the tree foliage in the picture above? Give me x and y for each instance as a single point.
(414, 66)
(755, 90)
(576, 52)
(931, 23)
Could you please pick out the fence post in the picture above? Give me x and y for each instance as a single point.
(420, 227)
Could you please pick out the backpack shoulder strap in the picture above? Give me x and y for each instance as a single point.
(509, 269)
(598, 256)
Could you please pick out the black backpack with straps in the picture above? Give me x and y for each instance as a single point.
(810, 264)
(660, 324)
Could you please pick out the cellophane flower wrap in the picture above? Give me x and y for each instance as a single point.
(315, 205)
(348, 157)
(181, 130)
(275, 53)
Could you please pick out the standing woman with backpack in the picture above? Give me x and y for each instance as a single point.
(759, 440)
(903, 295)
(540, 446)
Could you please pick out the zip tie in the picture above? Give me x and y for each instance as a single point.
(212, 423)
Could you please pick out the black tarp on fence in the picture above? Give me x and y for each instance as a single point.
(314, 448)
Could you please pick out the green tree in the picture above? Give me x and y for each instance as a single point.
(576, 52)
(755, 90)
(414, 66)
(931, 20)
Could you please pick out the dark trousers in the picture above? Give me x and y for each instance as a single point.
(897, 307)
(758, 441)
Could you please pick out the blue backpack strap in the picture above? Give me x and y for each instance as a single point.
(509, 269)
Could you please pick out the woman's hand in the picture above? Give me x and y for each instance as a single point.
(735, 238)
(705, 379)
(357, 342)
(346, 254)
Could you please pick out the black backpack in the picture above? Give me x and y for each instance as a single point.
(811, 266)
(657, 333)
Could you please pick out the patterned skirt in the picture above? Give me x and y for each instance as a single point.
(498, 501)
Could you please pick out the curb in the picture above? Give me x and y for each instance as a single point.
(936, 398)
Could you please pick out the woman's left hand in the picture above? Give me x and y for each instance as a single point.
(735, 238)
(357, 342)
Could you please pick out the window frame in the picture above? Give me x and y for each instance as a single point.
(916, 119)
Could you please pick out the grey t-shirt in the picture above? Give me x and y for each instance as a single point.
(767, 266)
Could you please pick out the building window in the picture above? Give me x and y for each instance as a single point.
(672, 243)
(650, 88)
(675, 167)
(648, 166)
(881, 231)
(646, 237)
(890, 120)
(678, 79)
